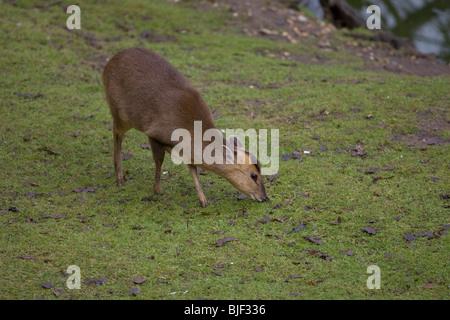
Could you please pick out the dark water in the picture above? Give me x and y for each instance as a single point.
(425, 22)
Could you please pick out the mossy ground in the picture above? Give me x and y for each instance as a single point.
(60, 205)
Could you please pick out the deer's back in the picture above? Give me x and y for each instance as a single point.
(147, 93)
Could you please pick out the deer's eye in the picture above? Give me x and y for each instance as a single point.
(254, 177)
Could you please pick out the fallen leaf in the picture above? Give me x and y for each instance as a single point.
(428, 286)
(296, 155)
(314, 239)
(46, 232)
(266, 31)
(376, 178)
(370, 230)
(371, 170)
(265, 219)
(139, 280)
(30, 195)
(314, 283)
(96, 281)
(149, 198)
(282, 219)
(222, 241)
(49, 151)
(58, 216)
(298, 228)
(324, 256)
(58, 292)
(338, 221)
(358, 150)
(428, 234)
(109, 225)
(29, 95)
(47, 285)
(241, 197)
(85, 189)
(26, 257)
(273, 236)
(127, 156)
(134, 292)
(349, 252)
(318, 254)
(409, 237)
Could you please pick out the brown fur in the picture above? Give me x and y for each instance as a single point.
(147, 93)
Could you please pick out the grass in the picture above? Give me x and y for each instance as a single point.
(56, 142)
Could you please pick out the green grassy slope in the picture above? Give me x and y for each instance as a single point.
(60, 205)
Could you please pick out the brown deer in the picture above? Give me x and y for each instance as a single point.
(147, 93)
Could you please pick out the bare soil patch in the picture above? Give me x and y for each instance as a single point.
(380, 52)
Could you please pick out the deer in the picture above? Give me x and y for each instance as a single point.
(146, 93)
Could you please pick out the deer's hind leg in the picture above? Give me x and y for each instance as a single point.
(117, 137)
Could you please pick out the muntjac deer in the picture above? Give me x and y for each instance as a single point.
(147, 93)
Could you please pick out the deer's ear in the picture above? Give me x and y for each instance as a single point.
(236, 143)
(229, 155)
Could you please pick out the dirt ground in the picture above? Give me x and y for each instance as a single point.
(271, 19)
(385, 52)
